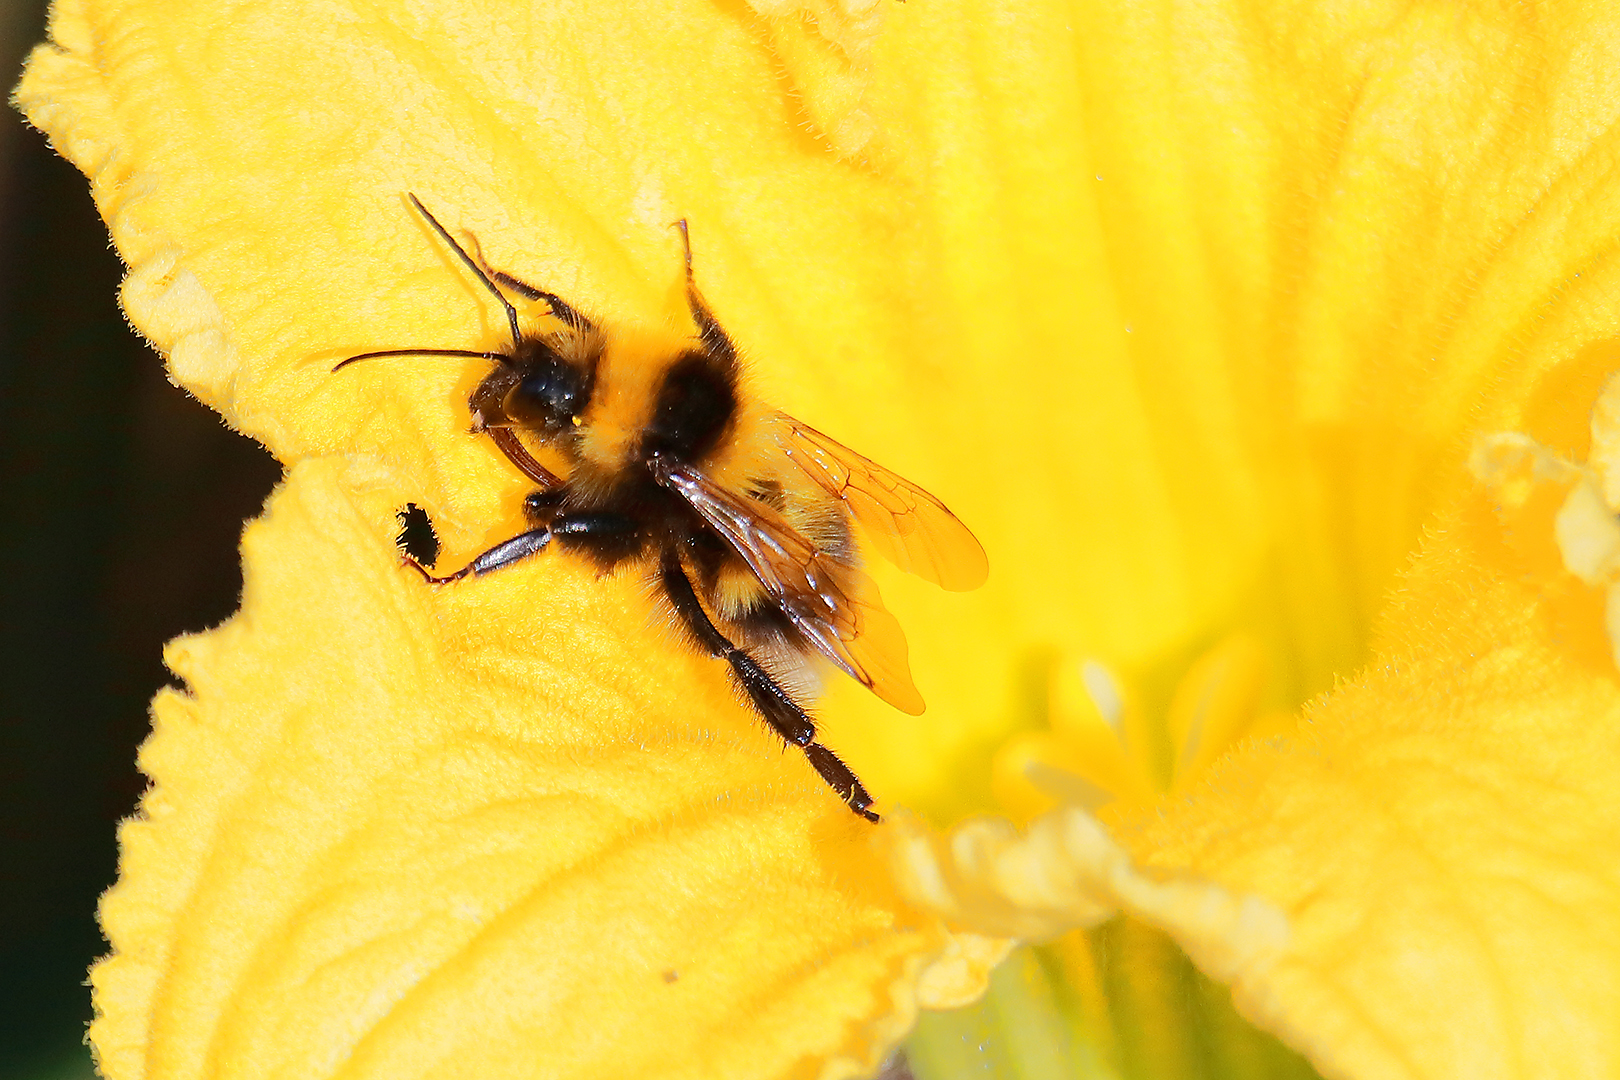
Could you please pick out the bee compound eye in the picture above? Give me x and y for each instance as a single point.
(547, 397)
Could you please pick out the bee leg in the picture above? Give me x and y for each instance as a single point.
(774, 703)
(841, 779)
(778, 708)
(715, 341)
(502, 554)
(469, 263)
(561, 308)
(507, 442)
(541, 506)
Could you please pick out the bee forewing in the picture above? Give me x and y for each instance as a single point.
(833, 605)
(906, 525)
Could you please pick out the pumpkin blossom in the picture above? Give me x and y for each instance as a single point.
(1263, 345)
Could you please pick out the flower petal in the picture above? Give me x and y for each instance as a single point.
(561, 147)
(1420, 883)
(375, 851)
(1232, 282)
(399, 829)
(1441, 836)
(564, 146)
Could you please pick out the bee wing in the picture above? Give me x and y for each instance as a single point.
(845, 622)
(908, 526)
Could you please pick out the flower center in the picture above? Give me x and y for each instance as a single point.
(1097, 746)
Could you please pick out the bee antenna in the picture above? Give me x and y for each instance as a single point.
(471, 264)
(500, 358)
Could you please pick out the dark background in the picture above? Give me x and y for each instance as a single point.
(121, 500)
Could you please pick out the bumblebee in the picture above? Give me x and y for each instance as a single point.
(741, 515)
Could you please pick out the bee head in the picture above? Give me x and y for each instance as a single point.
(550, 392)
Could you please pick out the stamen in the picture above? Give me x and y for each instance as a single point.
(1081, 756)
(1094, 748)
(1104, 691)
(1215, 704)
(1559, 523)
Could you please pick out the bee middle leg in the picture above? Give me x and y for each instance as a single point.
(715, 340)
(775, 704)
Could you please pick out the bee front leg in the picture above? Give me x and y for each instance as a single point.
(507, 442)
(505, 553)
(560, 308)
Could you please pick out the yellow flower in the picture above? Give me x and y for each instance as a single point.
(1205, 316)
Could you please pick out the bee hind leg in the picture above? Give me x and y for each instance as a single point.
(775, 704)
(841, 779)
